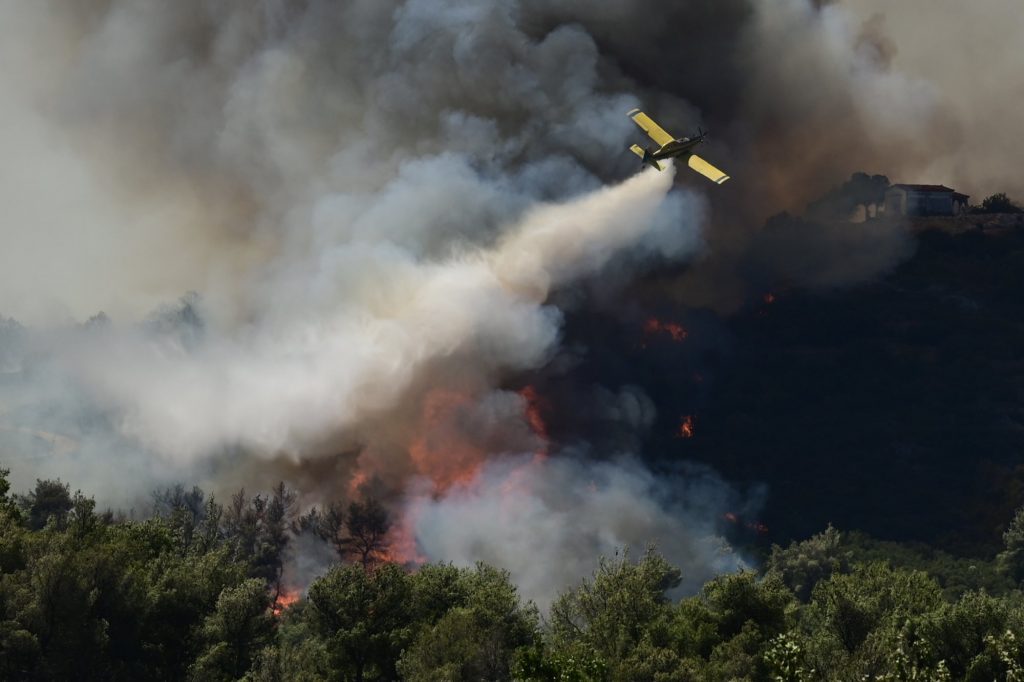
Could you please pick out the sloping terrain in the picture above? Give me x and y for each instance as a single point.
(894, 408)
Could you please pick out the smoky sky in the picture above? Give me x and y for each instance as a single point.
(964, 54)
(381, 207)
(156, 150)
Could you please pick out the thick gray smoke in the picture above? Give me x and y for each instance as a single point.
(968, 58)
(331, 358)
(375, 200)
(555, 516)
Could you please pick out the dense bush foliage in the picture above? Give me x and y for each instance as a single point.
(998, 203)
(194, 593)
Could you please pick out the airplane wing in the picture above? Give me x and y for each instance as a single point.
(707, 170)
(653, 130)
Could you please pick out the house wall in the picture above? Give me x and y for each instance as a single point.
(909, 202)
(929, 203)
(895, 202)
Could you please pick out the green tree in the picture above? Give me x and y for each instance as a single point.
(851, 628)
(745, 614)
(363, 618)
(609, 616)
(840, 202)
(804, 564)
(542, 664)
(20, 651)
(853, 605)
(13, 536)
(209, 535)
(182, 508)
(734, 600)
(235, 633)
(436, 589)
(168, 500)
(999, 203)
(8, 504)
(57, 604)
(957, 575)
(330, 526)
(82, 602)
(482, 625)
(241, 521)
(955, 636)
(274, 536)
(50, 499)
(182, 590)
(366, 525)
(357, 533)
(299, 653)
(1011, 560)
(259, 529)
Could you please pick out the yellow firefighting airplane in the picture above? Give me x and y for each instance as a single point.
(670, 148)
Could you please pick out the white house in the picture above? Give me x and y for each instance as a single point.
(924, 200)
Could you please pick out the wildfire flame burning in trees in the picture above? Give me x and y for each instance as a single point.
(686, 428)
(401, 543)
(534, 418)
(674, 330)
(284, 600)
(768, 299)
(450, 447)
(355, 484)
(758, 527)
(441, 451)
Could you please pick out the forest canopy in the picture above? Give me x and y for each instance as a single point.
(195, 591)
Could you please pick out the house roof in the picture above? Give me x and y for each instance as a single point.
(926, 188)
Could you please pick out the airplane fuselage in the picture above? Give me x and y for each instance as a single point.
(681, 147)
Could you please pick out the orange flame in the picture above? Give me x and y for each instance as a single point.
(356, 483)
(439, 452)
(448, 457)
(402, 547)
(674, 330)
(534, 419)
(758, 527)
(284, 600)
(517, 481)
(686, 429)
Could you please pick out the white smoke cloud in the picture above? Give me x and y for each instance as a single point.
(546, 520)
(331, 358)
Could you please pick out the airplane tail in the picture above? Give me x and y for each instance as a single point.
(644, 155)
